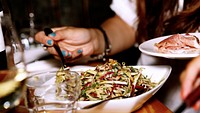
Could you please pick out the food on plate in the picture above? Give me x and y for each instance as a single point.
(113, 79)
(110, 80)
(179, 43)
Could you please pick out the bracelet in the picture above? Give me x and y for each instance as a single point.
(107, 49)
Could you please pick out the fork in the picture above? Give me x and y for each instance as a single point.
(57, 48)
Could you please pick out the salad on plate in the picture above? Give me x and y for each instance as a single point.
(113, 79)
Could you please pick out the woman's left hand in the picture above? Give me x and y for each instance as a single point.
(75, 43)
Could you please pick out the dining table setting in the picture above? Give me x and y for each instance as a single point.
(67, 69)
(55, 87)
(52, 86)
(151, 105)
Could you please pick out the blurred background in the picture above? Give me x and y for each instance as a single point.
(84, 13)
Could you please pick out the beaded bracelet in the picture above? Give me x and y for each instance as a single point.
(107, 49)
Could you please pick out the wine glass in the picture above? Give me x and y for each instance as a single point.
(12, 67)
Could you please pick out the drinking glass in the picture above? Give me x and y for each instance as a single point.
(47, 91)
(12, 67)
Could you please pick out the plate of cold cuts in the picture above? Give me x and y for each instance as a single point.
(175, 46)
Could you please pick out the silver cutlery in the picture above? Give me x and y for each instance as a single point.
(57, 48)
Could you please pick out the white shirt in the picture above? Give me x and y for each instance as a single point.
(126, 9)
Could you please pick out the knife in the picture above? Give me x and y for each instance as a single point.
(190, 100)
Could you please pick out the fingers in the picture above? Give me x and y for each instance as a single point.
(48, 40)
(72, 55)
(73, 42)
(77, 53)
(197, 105)
(189, 77)
(182, 78)
(59, 28)
(68, 55)
(62, 33)
(40, 37)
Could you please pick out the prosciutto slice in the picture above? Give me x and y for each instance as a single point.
(179, 44)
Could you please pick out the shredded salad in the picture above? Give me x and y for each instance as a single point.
(113, 79)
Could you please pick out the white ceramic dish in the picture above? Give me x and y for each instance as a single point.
(149, 49)
(156, 73)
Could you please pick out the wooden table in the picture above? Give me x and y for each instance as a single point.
(153, 105)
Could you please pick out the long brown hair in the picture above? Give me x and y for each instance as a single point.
(161, 17)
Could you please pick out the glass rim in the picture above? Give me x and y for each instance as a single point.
(43, 72)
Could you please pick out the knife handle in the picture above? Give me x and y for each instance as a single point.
(190, 100)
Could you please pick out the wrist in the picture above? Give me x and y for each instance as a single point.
(97, 41)
(104, 45)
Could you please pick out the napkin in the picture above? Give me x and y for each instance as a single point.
(43, 65)
(34, 53)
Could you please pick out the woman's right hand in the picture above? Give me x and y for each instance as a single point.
(190, 79)
(75, 43)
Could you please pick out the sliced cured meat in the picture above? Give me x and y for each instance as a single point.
(179, 44)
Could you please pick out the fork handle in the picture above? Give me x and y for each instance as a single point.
(48, 31)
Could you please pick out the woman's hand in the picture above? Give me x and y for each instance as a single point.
(74, 42)
(77, 43)
(190, 79)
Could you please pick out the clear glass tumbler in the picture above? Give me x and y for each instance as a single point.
(53, 91)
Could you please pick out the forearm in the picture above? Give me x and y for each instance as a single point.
(120, 34)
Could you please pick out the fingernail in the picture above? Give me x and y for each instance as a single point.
(80, 51)
(69, 54)
(64, 53)
(53, 34)
(49, 42)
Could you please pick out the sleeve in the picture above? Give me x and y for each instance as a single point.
(126, 9)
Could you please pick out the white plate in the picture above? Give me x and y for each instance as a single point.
(149, 49)
(156, 73)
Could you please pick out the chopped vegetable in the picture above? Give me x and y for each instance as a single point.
(113, 79)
